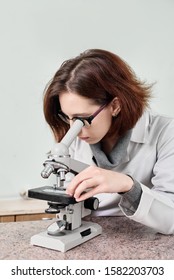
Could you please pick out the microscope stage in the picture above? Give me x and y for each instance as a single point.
(51, 194)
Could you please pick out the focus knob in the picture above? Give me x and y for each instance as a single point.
(91, 203)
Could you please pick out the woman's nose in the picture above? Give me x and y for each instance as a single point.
(81, 132)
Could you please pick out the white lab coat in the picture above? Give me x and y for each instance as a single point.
(149, 160)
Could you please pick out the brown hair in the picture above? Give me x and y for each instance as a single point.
(100, 76)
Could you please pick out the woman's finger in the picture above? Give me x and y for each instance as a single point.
(88, 194)
(86, 174)
(86, 186)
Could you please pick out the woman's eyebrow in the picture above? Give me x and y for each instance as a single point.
(80, 115)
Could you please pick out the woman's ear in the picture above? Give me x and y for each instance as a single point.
(115, 106)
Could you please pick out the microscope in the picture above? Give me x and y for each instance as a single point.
(68, 230)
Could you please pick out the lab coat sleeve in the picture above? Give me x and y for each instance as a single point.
(156, 207)
(155, 210)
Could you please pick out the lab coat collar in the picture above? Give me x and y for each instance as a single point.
(140, 131)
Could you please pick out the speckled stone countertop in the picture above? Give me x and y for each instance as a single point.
(121, 239)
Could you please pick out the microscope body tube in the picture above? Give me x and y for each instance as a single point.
(72, 133)
(62, 148)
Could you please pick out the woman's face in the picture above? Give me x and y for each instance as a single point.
(74, 105)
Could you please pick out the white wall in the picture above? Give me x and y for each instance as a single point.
(37, 35)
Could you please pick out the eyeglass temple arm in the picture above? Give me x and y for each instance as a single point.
(98, 111)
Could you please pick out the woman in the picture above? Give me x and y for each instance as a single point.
(129, 149)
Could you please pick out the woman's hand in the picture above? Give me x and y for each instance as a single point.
(94, 180)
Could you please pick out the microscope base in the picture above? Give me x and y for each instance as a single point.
(67, 239)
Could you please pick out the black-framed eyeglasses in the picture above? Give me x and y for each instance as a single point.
(86, 120)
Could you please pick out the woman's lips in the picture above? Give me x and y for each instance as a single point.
(84, 138)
